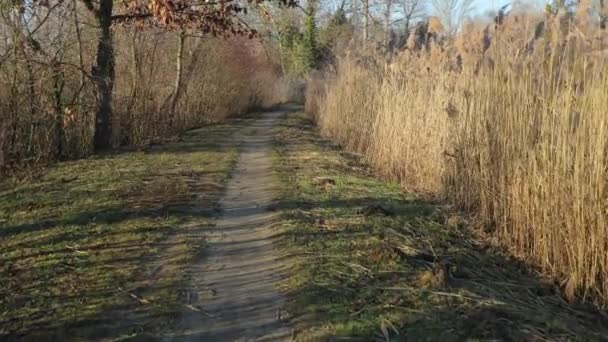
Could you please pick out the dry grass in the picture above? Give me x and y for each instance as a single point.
(514, 131)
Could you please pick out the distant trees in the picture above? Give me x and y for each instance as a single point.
(452, 13)
(336, 34)
(299, 43)
(310, 48)
(373, 23)
(79, 75)
(399, 16)
(388, 13)
(214, 18)
(592, 11)
(413, 10)
(338, 19)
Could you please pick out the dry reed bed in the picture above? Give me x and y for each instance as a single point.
(516, 136)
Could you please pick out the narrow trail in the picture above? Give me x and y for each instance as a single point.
(233, 293)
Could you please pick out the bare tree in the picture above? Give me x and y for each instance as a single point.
(207, 18)
(181, 78)
(387, 21)
(366, 18)
(452, 13)
(179, 61)
(603, 8)
(78, 32)
(413, 10)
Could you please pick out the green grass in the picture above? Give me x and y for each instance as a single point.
(96, 248)
(417, 274)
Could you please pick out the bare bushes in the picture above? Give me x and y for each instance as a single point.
(218, 78)
(165, 83)
(509, 123)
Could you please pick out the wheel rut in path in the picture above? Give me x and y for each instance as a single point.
(233, 294)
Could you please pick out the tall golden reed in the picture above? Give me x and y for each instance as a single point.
(509, 123)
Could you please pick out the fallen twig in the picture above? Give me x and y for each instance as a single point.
(140, 299)
(75, 250)
(195, 309)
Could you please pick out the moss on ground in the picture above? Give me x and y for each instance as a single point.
(373, 262)
(96, 248)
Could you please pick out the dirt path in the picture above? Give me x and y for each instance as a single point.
(233, 295)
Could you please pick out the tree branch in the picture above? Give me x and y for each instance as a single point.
(58, 63)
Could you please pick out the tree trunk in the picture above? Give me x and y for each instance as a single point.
(177, 90)
(80, 53)
(58, 85)
(135, 73)
(193, 58)
(387, 23)
(103, 72)
(603, 14)
(3, 139)
(365, 20)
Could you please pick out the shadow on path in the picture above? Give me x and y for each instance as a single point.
(107, 254)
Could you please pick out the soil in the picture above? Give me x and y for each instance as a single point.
(233, 294)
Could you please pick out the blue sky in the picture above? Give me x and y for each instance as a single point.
(483, 6)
